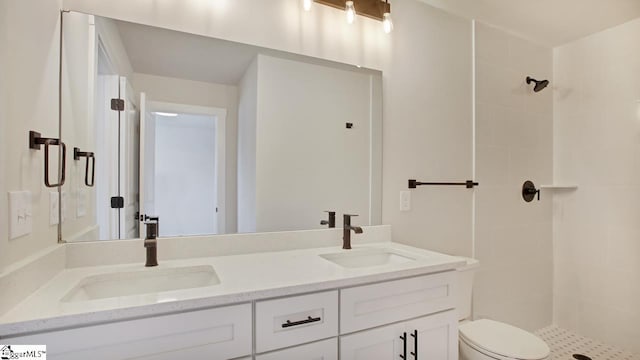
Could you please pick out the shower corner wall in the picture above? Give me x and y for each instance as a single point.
(597, 145)
(514, 141)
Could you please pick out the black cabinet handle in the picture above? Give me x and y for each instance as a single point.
(404, 346)
(308, 320)
(415, 344)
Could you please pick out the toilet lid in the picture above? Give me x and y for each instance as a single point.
(504, 340)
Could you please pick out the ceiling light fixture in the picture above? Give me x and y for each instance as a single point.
(350, 9)
(374, 9)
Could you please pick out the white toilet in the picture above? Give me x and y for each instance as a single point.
(488, 339)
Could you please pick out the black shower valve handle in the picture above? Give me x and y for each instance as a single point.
(529, 191)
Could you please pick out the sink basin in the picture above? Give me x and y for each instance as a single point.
(145, 281)
(366, 258)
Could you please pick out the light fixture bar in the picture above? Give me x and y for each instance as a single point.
(374, 9)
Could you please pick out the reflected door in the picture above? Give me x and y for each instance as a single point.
(107, 160)
(180, 169)
(129, 163)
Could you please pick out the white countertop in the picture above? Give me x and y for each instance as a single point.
(243, 278)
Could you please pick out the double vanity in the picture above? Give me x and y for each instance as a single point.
(310, 299)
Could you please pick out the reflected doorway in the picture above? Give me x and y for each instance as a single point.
(184, 168)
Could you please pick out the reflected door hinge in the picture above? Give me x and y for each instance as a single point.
(117, 104)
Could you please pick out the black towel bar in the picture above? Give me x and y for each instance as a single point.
(470, 184)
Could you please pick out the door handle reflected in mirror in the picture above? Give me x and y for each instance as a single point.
(77, 154)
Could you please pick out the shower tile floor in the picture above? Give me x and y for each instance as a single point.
(564, 344)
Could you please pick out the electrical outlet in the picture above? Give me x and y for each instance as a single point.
(20, 214)
(405, 201)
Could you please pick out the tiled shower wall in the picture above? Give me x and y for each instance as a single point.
(597, 146)
(514, 139)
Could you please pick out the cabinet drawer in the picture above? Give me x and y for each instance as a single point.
(430, 337)
(296, 320)
(368, 306)
(322, 350)
(220, 333)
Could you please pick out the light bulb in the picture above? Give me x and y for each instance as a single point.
(306, 4)
(351, 12)
(387, 23)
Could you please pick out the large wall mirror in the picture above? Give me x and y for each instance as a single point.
(210, 136)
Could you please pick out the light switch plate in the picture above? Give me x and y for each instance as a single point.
(20, 214)
(405, 201)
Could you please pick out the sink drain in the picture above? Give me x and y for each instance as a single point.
(581, 357)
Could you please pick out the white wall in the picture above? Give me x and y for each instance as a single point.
(112, 41)
(183, 160)
(247, 126)
(307, 160)
(188, 92)
(514, 143)
(30, 81)
(180, 91)
(427, 127)
(596, 228)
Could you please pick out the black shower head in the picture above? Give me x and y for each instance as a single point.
(540, 84)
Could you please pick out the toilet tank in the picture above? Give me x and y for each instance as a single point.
(465, 275)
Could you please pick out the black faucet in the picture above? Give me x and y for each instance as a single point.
(332, 220)
(151, 243)
(346, 231)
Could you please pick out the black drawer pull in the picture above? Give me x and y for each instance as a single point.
(309, 320)
(404, 346)
(415, 344)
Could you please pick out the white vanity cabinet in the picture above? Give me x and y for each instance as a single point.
(220, 333)
(430, 337)
(364, 322)
(372, 320)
